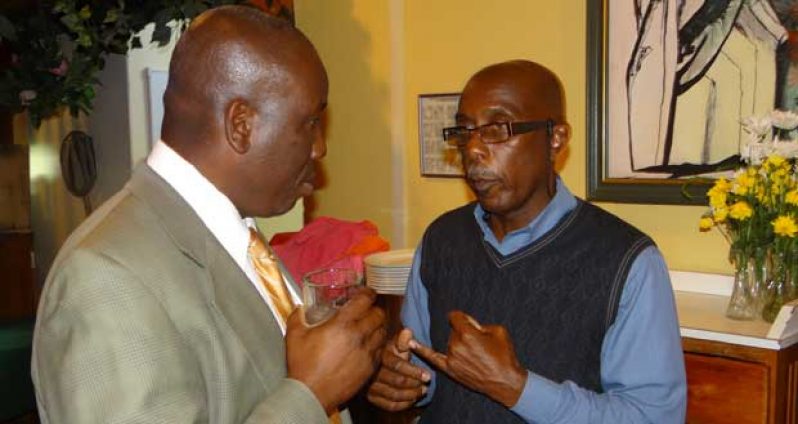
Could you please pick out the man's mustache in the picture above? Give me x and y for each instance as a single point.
(481, 174)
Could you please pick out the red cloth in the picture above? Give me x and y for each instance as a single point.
(327, 242)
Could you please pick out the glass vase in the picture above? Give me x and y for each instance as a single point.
(779, 286)
(792, 275)
(760, 262)
(745, 298)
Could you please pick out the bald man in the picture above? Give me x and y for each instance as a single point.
(157, 309)
(531, 305)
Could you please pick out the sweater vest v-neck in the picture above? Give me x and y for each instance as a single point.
(557, 297)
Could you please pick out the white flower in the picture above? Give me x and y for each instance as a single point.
(785, 148)
(759, 128)
(26, 96)
(755, 153)
(745, 152)
(764, 141)
(784, 119)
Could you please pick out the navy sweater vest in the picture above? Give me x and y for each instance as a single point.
(557, 297)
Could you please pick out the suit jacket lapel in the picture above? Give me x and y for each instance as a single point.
(247, 314)
(228, 289)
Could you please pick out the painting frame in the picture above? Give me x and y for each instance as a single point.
(436, 159)
(600, 187)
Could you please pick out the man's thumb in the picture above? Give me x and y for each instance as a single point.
(403, 341)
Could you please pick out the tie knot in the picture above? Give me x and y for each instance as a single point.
(257, 247)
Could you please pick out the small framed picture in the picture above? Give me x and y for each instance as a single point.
(435, 112)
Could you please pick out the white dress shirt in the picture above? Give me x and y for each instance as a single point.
(215, 210)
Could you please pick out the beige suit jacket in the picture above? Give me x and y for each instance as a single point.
(145, 318)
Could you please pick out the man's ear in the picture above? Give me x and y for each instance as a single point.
(559, 138)
(239, 117)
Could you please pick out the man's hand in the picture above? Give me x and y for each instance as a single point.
(335, 358)
(399, 383)
(480, 357)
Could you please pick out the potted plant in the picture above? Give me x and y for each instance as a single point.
(56, 48)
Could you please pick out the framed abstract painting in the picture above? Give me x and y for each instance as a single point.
(669, 83)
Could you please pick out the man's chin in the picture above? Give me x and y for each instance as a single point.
(486, 198)
(492, 204)
(287, 207)
(306, 188)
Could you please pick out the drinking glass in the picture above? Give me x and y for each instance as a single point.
(326, 290)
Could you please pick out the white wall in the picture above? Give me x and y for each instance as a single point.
(138, 60)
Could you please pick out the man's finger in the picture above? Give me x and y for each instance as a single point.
(360, 302)
(387, 404)
(371, 321)
(376, 339)
(403, 380)
(437, 359)
(406, 368)
(462, 322)
(396, 394)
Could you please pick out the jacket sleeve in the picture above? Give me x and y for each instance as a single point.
(106, 350)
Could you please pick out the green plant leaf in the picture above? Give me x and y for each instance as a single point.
(85, 12)
(83, 32)
(70, 20)
(84, 40)
(111, 16)
(60, 7)
(7, 30)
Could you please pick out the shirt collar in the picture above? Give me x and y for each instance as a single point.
(215, 209)
(560, 205)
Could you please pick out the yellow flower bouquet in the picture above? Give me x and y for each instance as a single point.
(756, 210)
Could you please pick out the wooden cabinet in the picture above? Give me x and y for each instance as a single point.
(18, 295)
(729, 383)
(737, 371)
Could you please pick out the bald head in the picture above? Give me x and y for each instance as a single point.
(244, 103)
(230, 52)
(537, 89)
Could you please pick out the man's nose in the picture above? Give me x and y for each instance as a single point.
(475, 148)
(319, 149)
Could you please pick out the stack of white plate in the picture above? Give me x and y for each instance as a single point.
(387, 272)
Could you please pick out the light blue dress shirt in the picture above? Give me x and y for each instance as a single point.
(642, 365)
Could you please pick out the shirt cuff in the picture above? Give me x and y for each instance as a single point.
(538, 402)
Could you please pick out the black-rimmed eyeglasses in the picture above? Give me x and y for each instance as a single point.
(494, 132)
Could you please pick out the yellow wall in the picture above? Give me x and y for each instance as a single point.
(352, 38)
(442, 43)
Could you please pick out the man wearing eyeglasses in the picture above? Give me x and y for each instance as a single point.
(531, 304)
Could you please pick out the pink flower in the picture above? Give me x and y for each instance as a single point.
(61, 70)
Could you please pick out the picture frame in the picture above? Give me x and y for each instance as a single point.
(601, 186)
(435, 112)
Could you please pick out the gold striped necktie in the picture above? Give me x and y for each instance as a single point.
(270, 276)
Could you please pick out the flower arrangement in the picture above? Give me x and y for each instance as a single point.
(757, 209)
